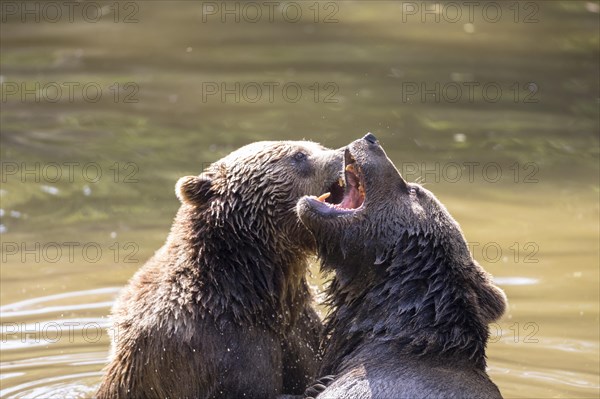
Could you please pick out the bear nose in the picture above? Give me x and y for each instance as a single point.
(370, 138)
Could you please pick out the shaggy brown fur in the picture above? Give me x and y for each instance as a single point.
(223, 309)
(410, 306)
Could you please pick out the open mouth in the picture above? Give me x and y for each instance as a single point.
(347, 194)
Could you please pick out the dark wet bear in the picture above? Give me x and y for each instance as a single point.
(223, 309)
(410, 307)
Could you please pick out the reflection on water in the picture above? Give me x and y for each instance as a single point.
(75, 385)
(87, 183)
(54, 346)
(504, 281)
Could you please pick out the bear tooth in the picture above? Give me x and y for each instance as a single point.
(323, 197)
(341, 182)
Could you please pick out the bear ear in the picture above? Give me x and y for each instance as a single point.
(492, 302)
(194, 190)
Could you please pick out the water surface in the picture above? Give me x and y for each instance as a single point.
(519, 171)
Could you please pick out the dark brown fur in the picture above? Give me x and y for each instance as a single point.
(409, 305)
(223, 309)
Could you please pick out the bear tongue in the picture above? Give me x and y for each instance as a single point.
(353, 195)
(351, 198)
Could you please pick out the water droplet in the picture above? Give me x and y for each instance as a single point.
(592, 7)
(50, 190)
(460, 137)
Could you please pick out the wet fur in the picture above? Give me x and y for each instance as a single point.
(223, 309)
(409, 305)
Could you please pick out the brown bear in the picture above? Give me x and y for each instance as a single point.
(410, 307)
(223, 309)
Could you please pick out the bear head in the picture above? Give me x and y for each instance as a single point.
(394, 246)
(252, 192)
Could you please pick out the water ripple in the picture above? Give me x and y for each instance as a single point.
(13, 307)
(63, 387)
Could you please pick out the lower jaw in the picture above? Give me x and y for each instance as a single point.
(324, 209)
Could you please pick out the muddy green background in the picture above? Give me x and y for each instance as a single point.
(105, 105)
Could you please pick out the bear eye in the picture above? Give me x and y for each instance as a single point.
(413, 191)
(299, 156)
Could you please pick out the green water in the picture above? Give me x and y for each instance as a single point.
(87, 181)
